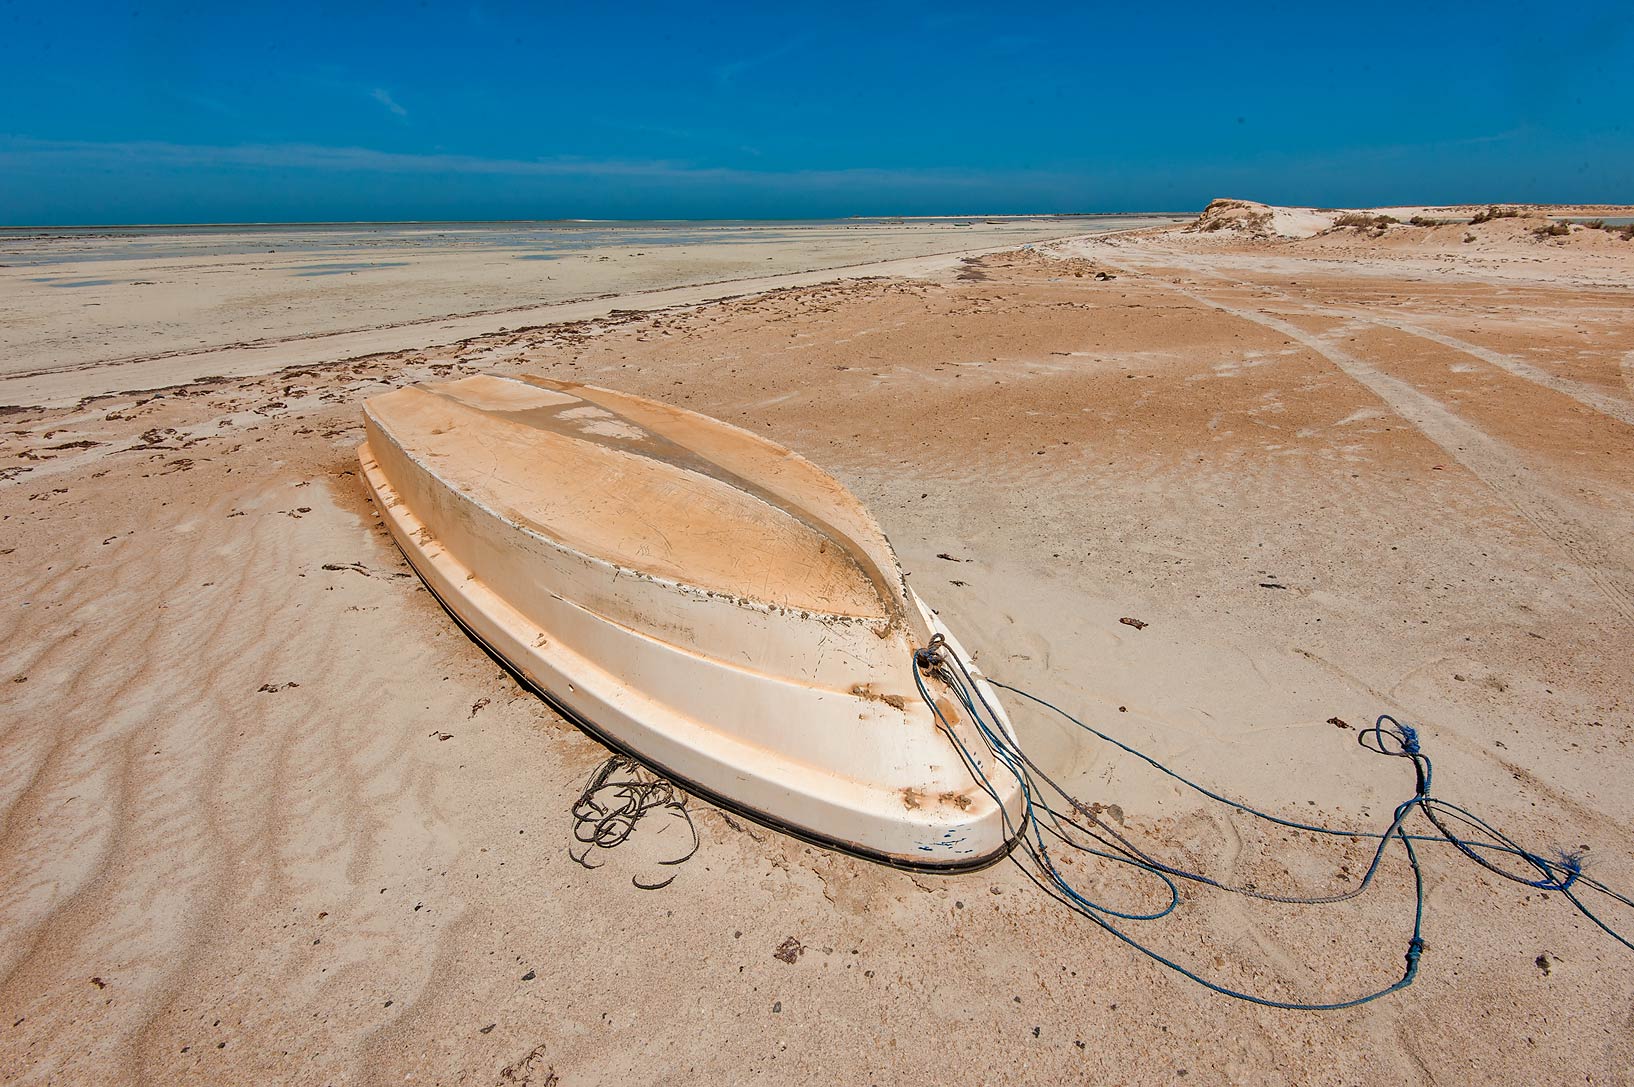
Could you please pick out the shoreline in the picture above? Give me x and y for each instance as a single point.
(344, 223)
(64, 384)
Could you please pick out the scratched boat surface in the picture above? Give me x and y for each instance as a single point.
(693, 594)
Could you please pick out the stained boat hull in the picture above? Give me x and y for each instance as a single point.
(757, 650)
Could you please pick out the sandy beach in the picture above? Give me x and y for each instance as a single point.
(153, 306)
(268, 815)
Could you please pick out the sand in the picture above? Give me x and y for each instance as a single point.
(93, 310)
(268, 815)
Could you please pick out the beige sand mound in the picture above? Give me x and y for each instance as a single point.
(1246, 218)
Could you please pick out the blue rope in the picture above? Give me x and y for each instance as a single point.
(1557, 875)
(1041, 821)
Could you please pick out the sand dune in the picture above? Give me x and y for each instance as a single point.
(269, 816)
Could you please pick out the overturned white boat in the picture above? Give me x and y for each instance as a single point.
(695, 596)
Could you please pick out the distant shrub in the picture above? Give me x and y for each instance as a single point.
(1421, 220)
(1258, 222)
(1364, 223)
(1495, 212)
(1596, 224)
(1627, 233)
(1238, 215)
(1552, 230)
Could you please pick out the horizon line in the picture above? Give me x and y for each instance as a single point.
(989, 215)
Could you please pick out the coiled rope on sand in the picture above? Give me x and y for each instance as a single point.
(1052, 815)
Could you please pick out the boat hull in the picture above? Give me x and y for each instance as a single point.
(806, 721)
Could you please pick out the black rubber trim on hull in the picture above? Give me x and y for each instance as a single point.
(769, 822)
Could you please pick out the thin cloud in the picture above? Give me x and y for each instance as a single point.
(727, 74)
(21, 153)
(383, 96)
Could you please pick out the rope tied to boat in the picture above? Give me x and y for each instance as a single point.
(1045, 825)
(929, 658)
(618, 796)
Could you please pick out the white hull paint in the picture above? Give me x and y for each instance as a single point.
(694, 595)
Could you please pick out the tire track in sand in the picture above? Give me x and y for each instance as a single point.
(1587, 395)
(1488, 459)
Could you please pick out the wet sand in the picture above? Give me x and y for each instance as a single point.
(1335, 476)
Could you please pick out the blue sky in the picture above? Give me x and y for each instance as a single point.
(164, 112)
